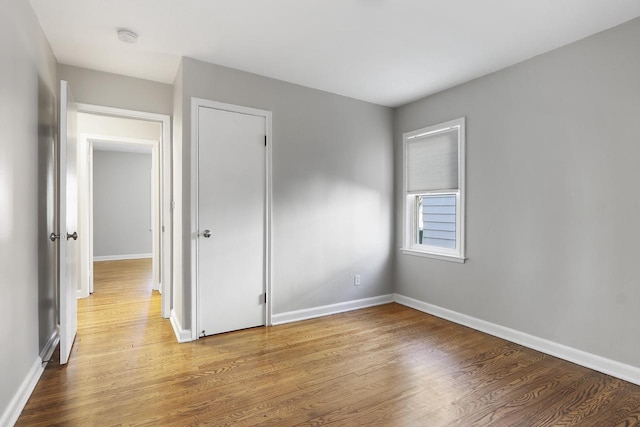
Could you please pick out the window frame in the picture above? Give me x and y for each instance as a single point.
(410, 246)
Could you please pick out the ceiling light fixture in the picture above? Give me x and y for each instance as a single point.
(127, 36)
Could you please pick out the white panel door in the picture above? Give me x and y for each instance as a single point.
(231, 212)
(68, 261)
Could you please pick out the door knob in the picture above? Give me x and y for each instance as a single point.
(73, 236)
(206, 233)
(54, 236)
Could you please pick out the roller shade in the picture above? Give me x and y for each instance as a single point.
(432, 162)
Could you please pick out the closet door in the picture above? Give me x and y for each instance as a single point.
(231, 220)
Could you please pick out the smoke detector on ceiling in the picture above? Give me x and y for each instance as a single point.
(127, 36)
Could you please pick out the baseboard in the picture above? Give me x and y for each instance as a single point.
(50, 346)
(13, 411)
(121, 257)
(182, 335)
(326, 310)
(588, 360)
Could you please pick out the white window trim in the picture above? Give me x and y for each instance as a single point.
(409, 247)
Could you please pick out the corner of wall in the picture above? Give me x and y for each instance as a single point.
(178, 284)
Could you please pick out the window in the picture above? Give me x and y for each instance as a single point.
(434, 191)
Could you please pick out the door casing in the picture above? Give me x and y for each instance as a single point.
(196, 103)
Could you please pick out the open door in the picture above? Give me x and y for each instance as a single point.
(68, 220)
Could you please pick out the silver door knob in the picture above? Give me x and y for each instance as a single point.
(73, 236)
(54, 237)
(206, 233)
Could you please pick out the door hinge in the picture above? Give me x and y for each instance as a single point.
(265, 140)
(265, 297)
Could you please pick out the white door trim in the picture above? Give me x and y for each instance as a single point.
(196, 103)
(166, 198)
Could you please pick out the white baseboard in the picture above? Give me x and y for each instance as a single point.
(598, 363)
(182, 335)
(13, 411)
(121, 257)
(50, 346)
(326, 310)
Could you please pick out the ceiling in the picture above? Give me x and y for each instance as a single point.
(388, 52)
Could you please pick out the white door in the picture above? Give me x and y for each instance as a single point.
(68, 220)
(231, 218)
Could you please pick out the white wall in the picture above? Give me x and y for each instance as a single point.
(552, 197)
(118, 127)
(113, 90)
(121, 204)
(332, 187)
(27, 79)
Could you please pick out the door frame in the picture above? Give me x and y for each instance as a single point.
(196, 104)
(166, 196)
(86, 256)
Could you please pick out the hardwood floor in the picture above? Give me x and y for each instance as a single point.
(387, 365)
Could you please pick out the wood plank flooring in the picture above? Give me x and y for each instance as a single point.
(381, 366)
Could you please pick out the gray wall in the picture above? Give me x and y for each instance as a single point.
(113, 90)
(552, 197)
(28, 93)
(121, 203)
(332, 186)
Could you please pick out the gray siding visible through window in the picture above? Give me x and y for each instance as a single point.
(438, 220)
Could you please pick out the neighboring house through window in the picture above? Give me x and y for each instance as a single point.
(434, 169)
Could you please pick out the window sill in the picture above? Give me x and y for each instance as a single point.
(450, 258)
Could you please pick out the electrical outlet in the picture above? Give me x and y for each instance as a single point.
(356, 280)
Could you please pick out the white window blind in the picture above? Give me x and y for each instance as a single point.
(432, 162)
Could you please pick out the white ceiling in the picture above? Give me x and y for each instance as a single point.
(389, 52)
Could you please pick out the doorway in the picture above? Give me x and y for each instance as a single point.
(232, 253)
(123, 209)
(127, 136)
